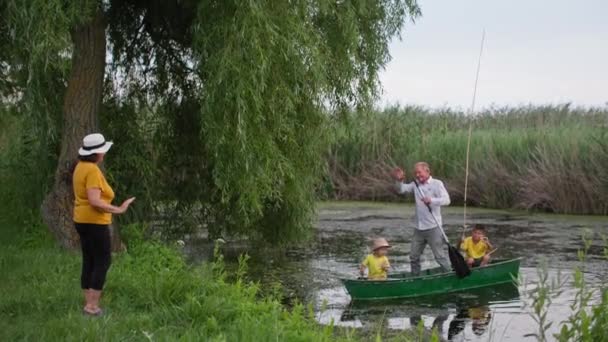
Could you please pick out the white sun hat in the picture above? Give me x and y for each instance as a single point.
(94, 143)
(380, 243)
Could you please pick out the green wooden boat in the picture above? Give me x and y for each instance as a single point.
(432, 281)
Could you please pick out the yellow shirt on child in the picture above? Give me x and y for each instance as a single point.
(88, 176)
(474, 250)
(376, 266)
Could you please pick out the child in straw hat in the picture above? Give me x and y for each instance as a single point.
(377, 262)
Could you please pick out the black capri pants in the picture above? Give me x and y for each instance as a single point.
(96, 254)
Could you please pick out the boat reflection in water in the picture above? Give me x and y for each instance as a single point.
(454, 315)
(480, 318)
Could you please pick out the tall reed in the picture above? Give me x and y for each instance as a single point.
(551, 158)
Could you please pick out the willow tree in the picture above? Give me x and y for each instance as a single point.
(255, 79)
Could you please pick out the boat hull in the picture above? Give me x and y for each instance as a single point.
(432, 282)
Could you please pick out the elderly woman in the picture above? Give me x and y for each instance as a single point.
(93, 211)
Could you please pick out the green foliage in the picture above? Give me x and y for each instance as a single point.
(542, 295)
(588, 319)
(131, 163)
(133, 233)
(37, 50)
(25, 171)
(217, 109)
(34, 62)
(265, 86)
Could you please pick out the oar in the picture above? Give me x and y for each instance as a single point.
(492, 251)
(456, 259)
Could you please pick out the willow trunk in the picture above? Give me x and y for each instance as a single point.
(80, 117)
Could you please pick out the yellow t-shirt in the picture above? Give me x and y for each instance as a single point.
(474, 250)
(374, 265)
(88, 176)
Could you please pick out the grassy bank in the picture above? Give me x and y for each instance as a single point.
(551, 158)
(151, 294)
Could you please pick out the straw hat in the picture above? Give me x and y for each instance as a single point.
(94, 143)
(380, 243)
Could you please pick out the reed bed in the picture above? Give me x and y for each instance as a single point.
(551, 158)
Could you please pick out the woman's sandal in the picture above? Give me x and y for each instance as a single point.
(93, 314)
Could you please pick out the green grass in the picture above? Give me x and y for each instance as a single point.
(150, 294)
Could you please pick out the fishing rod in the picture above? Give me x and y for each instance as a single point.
(471, 111)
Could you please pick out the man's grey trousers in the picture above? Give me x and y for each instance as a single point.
(433, 238)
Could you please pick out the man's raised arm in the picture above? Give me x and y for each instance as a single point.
(399, 176)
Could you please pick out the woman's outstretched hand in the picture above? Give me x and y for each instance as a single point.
(125, 205)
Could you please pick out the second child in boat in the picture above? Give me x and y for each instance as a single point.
(476, 247)
(377, 262)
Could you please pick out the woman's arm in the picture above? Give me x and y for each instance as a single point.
(94, 197)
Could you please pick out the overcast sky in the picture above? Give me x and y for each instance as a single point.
(536, 51)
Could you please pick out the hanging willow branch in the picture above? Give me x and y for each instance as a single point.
(240, 89)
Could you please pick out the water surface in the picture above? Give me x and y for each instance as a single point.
(311, 273)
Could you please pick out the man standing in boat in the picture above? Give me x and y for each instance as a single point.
(433, 193)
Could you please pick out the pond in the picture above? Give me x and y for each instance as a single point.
(311, 273)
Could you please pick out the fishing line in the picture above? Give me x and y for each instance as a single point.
(471, 111)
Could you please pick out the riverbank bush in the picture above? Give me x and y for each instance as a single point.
(550, 158)
(588, 319)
